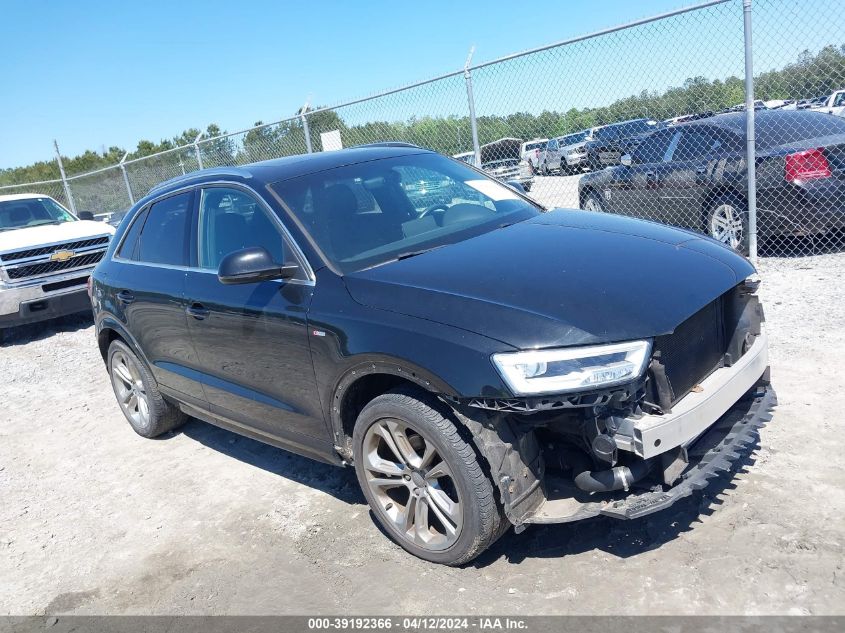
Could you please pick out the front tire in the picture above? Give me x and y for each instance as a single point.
(147, 412)
(726, 220)
(422, 481)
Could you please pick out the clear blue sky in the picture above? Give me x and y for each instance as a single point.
(93, 74)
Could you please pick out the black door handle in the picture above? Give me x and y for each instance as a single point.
(197, 310)
(125, 297)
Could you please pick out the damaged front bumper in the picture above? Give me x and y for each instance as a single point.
(711, 454)
(679, 449)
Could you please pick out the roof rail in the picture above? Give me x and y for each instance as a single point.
(213, 171)
(386, 144)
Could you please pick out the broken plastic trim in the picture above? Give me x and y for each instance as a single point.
(613, 397)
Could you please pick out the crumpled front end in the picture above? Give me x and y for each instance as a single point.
(631, 450)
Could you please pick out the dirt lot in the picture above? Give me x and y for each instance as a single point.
(95, 519)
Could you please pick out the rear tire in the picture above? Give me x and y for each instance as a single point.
(726, 220)
(423, 482)
(593, 202)
(147, 412)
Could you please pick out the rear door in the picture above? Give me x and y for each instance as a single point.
(252, 339)
(149, 284)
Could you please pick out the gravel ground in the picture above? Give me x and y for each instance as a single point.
(96, 520)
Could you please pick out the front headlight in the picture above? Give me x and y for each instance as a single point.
(572, 368)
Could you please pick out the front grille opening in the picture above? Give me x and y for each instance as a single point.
(44, 268)
(67, 283)
(694, 350)
(49, 250)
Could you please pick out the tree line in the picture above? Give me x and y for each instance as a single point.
(809, 76)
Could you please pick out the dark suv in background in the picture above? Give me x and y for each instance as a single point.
(480, 362)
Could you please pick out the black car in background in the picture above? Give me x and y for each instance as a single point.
(694, 175)
(610, 142)
(480, 362)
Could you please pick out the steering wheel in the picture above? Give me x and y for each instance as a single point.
(432, 208)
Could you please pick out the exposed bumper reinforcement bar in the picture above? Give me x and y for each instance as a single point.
(695, 413)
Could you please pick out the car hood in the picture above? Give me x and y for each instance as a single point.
(562, 278)
(19, 239)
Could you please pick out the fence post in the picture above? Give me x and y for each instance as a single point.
(303, 116)
(471, 101)
(197, 152)
(65, 183)
(750, 144)
(126, 179)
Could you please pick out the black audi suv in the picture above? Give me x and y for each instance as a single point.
(482, 363)
(694, 175)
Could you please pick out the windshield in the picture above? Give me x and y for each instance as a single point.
(370, 213)
(18, 214)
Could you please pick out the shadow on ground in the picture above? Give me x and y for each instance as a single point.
(623, 539)
(24, 334)
(338, 482)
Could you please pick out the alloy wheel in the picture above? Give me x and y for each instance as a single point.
(592, 204)
(726, 225)
(129, 388)
(412, 484)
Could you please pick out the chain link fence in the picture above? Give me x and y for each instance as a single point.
(650, 120)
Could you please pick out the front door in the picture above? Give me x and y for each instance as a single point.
(252, 339)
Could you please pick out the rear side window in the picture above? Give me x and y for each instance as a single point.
(653, 147)
(164, 236)
(696, 143)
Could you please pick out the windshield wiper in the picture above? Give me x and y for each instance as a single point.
(409, 254)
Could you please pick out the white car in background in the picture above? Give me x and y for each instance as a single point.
(532, 152)
(46, 256)
(833, 104)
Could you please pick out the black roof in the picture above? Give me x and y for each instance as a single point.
(270, 171)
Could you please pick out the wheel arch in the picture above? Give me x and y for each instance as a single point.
(368, 378)
(110, 329)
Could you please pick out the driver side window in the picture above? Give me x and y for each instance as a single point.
(230, 220)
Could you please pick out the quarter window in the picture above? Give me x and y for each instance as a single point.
(129, 247)
(163, 238)
(231, 220)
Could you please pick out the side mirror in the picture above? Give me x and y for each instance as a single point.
(626, 160)
(252, 265)
(85, 215)
(516, 185)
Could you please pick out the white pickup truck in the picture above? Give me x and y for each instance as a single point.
(834, 104)
(46, 256)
